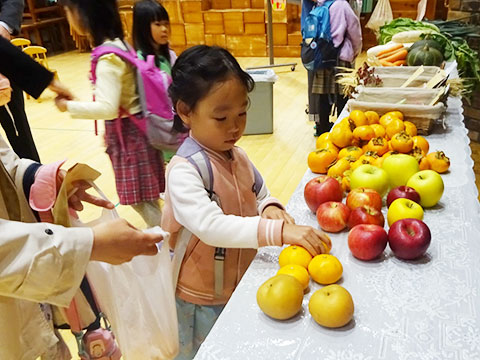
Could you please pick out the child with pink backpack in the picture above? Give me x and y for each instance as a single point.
(135, 120)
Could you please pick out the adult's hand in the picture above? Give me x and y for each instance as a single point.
(60, 89)
(117, 241)
(4, 33)
(80, 194)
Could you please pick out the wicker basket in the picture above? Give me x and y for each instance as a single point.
(423, 116)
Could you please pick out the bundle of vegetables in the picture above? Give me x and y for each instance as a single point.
(401, 25)
(455, 28)
(395, 55)
(468, 62)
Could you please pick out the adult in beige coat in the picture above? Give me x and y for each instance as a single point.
(42, 263)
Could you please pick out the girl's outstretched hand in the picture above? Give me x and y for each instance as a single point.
(315, 241)
(274, 212)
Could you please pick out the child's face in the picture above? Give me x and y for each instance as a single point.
(219, 119)
(160, 31)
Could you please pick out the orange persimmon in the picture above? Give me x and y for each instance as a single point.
(319, 160)
(421, 142)
(402, 142)
(353, 151)
(379, 145)
(339, 167)
(372, 117)
(394, 127)
(358, 118)
(363, 132)
(341, 136)
(439, 162)
(379, 130)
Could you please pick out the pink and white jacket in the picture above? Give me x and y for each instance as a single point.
(236, 226)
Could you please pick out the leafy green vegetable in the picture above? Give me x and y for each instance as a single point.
(468, 62)
(400, 25)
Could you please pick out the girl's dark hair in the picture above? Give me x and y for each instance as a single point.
(144, 13)
(100, 17)
(197, 70)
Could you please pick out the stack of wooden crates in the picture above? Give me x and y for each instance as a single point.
(238, 25)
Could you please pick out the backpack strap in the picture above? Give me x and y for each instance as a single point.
(197, 156)
(258, 184)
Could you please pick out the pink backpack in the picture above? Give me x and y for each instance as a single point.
(156, 121)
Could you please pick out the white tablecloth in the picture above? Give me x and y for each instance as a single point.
(425, 309)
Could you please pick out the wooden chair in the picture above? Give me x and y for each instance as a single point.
(39, 54)
(21, 42)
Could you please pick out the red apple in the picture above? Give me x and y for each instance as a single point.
(363, 196)
(403, 191)
(365, 215)
(322, 189)
(332, 216)
(409, 238)
(367, 241)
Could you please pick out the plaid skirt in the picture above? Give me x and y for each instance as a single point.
(324, 79)
(138, 167)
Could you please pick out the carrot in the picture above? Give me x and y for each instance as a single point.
(384, 56)
(400, 62)
(385, 63)
(393, 48)
(397, 56)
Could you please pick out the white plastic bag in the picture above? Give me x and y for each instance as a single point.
(138, 299)
(382, 14)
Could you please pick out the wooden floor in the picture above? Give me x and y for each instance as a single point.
(280, 157)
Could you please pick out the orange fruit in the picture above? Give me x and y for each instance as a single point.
(397, 114)
(372, 117)
(328, 145)
(346, 181)
(294, 254)
(363, 132)
(353, 151)
(341, 136)
(339, 167)
(424, 164)
(358, 118)
(439, 162)
(421, 142)
(325, 269)
(402, 142)
(379, 130)
(322, 139)
(298, 272)
(386, 119)
(319, 160)
(378, 162)
(379, 145)
(394, 127)
(410, 128)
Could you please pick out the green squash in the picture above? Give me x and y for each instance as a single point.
(425, 55)
(431, 43)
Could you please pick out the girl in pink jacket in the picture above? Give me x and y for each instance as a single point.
(210, 95)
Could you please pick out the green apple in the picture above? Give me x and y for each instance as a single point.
(402, 208)
(371, 177)
(429, 184)
(400, 167)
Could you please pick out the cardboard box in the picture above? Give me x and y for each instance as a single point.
(177, 35)
(240, 4)
(280, 34)
(258, 4)
(295, 39)
(247, 45)
(191, 7)
(214, 28)
(213, 17)
(194, 34)
(218, 40)
(174, 12)
(286, 51)
(254, 17)
(221, 4)
(195, 17)
(255, 29)
(233, 23)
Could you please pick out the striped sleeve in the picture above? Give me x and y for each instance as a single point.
(270, 232)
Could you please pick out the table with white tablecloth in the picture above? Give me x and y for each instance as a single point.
(423, 309)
